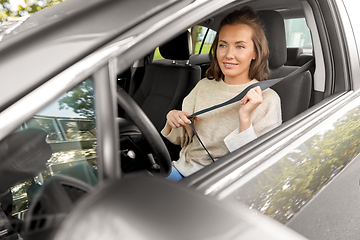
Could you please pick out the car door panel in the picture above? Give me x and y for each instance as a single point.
(306, 177)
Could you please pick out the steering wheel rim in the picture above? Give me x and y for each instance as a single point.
(152, 136)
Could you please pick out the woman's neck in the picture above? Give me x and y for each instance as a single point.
(236, 80)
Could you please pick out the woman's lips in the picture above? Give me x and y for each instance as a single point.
(229, 65)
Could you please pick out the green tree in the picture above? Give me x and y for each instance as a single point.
(28, 7)
(80, 99)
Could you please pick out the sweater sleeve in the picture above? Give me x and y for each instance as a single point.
(270, 116)
(182, 135)
(179, 136)
(264, 119)
(236, 140)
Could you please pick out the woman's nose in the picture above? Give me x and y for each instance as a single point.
(230, 53)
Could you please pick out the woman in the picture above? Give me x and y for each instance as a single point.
(239, 57)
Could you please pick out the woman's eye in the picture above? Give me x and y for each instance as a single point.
(221, 46)
(239, 47)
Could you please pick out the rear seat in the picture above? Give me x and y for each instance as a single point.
(297, 57)
(294, 92)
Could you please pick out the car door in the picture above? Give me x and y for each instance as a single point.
(225, 178)
(74, 109)
(305, 174)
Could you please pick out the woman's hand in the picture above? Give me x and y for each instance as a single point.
(176, 118)
(249, 103)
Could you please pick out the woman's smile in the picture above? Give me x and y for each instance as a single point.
(230, 65)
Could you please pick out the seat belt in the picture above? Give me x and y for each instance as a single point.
(263, 85)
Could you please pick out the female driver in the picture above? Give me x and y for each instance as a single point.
(239, 57)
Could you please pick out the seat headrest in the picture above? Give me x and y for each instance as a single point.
(178, 48)
(275, 34)
(294, 52)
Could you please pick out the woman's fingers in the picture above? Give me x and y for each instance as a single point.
(176, 118)
(185, 117)
(254, 95)
(258, 90)
(250, 102)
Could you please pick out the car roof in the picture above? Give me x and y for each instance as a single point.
(54, 38)
(41, 46)
(287, 8)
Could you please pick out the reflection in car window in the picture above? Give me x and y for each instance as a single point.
(287, 186)
(70, 126)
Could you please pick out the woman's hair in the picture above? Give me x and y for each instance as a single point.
(259, 68)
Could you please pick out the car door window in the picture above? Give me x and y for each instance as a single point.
(298, 35)
(204, 38)
(69, 123)
(288, 185)
(157, 55)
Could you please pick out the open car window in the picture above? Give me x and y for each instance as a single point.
(203, 34)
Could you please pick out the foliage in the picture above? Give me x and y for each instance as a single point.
(284, 188)
(80, 99)
(28, 7)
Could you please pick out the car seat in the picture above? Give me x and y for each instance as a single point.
(294, 92)
(166, 82)
(296, 56)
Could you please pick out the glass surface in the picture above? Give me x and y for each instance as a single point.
(70, 126)
(198, 34)
(289, 184)
(298, 34)
(201, 39)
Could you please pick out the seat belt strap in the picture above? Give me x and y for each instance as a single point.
(202, 144)
(263, 85)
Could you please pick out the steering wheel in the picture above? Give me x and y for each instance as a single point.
(152, 136)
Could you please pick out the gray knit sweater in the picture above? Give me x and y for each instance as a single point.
(219, 129)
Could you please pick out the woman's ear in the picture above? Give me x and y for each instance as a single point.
(254, 56)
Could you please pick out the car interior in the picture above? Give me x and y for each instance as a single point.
(159, 85)
(160, 80)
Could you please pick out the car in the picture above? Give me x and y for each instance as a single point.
(86, 86)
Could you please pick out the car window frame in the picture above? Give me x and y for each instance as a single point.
(352, 56)
(213, 173)
(115, 58)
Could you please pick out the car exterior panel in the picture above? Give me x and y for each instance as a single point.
(304, 174)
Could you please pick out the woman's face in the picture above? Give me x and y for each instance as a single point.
(235, 51)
